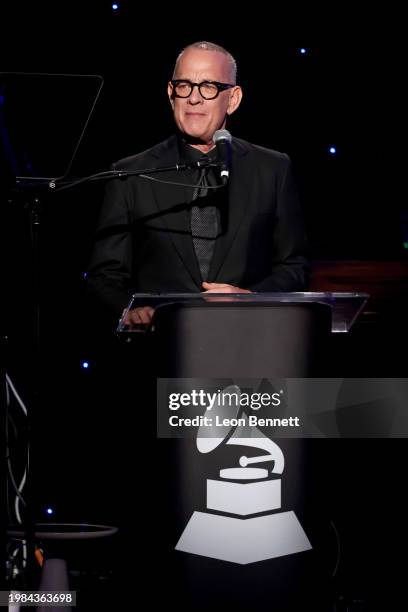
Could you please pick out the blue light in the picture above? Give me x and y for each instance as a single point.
(85, 365)
(332, 150)
(49, 511)
(115, 6)
(85, 274)
(302, 50)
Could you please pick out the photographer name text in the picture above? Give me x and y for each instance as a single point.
(252, 420)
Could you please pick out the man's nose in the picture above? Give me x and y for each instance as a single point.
(195, 96)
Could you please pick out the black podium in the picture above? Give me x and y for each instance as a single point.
(247, 335)
(228, 534)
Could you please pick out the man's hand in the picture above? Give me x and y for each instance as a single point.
(222, 288)
(137, 317)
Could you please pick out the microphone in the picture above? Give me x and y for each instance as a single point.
(222, 140)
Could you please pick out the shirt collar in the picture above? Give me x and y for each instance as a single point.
(189, 153)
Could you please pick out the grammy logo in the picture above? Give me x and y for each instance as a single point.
(243, 523)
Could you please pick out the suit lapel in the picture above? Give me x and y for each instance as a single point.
(236, 210)
(175, 201)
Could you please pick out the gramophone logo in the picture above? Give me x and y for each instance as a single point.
(251, 527)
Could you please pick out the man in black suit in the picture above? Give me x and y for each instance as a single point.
(245, 236)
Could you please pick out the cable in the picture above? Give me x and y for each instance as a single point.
(18, 497)
(107, 175)
(151, 178)
(18, 489)
(94, 177)
(336, 567)
(10, 421)
(16, 395)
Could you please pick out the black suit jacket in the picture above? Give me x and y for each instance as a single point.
(144, 243)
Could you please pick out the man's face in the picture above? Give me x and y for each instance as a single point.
(196, 117)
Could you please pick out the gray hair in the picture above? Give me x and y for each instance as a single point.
(209, 46)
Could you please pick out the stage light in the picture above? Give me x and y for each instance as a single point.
(333, 150)
(50, 511)
(302, 50)
(85, 365)
(85, 274)
(115, 6)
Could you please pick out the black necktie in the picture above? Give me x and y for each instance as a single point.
(204, 225)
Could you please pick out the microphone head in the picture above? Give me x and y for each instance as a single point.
(220, 135)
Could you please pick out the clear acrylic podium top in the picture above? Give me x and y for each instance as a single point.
(345, 306)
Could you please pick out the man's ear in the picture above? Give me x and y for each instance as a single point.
(170, 94)
(234, 100)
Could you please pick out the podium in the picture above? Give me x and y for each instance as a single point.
(247, 335)
(230, 536)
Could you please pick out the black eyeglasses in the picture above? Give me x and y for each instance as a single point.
(208, 89)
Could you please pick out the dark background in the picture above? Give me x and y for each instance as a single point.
(344, 92)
